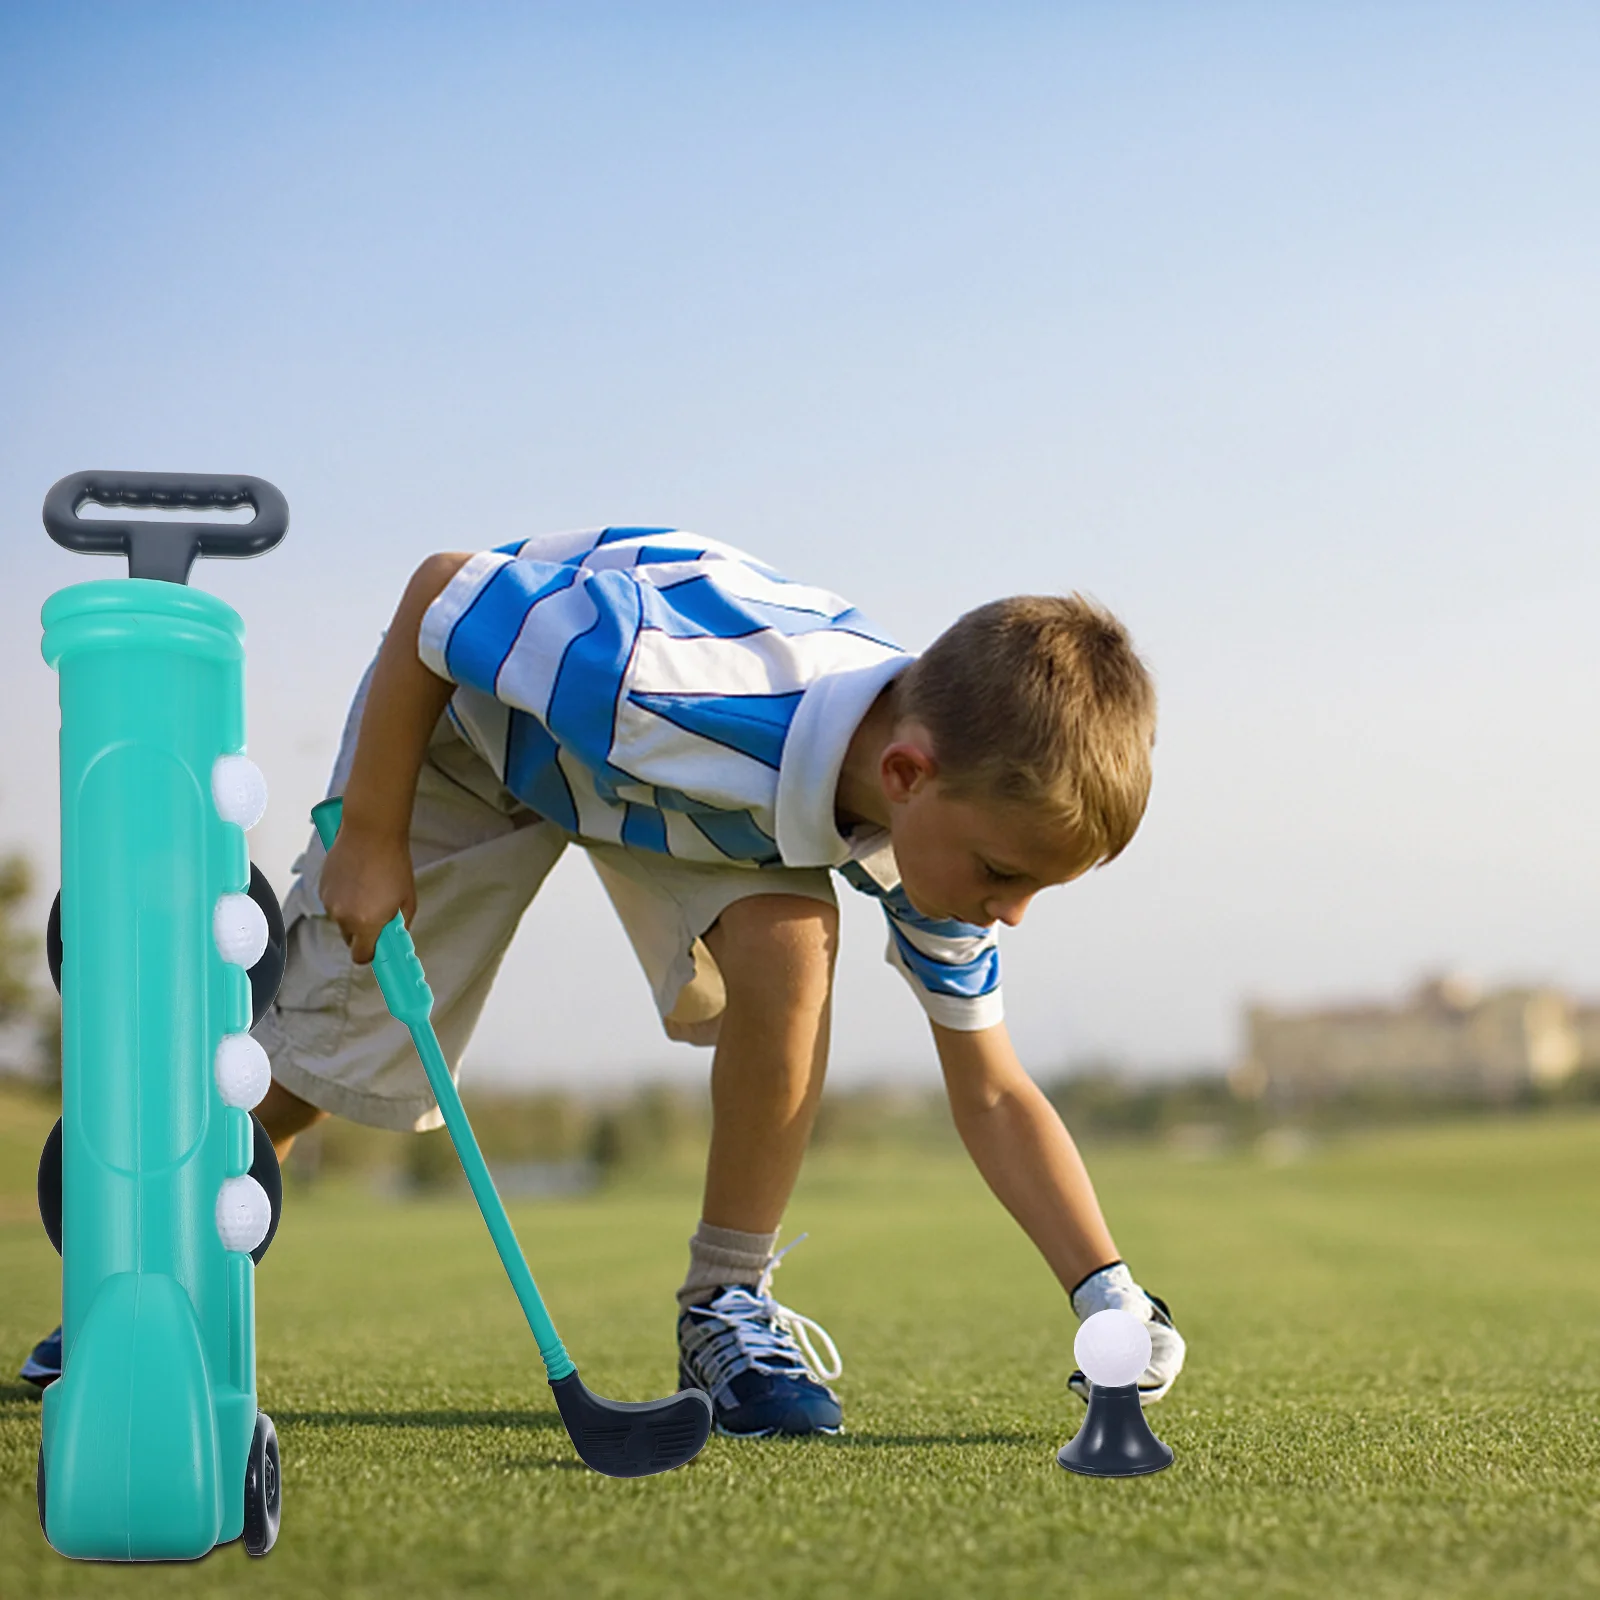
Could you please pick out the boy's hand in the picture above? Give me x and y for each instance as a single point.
(365, 880)
(1113, 1289)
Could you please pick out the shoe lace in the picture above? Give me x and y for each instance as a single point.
(757, 1331)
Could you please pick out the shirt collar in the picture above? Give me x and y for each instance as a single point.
(872, 851)
(828, 715)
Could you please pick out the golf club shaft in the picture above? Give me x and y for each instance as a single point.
(405, 992)
(557, 1363)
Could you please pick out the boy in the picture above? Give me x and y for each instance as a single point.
(719, 740)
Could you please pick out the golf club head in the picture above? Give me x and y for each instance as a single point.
(633, 1439)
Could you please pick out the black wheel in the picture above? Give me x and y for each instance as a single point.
(264, 1169)
(267, 973)
(50, 1186)
(263, 1489)
(52, 941)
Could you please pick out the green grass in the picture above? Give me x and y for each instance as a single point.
(1393, 1390)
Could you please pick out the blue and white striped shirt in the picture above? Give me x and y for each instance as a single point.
(650, 688)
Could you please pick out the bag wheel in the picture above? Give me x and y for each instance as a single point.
(267, 973)
(52, 941)
(265, 1170)
(50, 1186)
(263, 1489)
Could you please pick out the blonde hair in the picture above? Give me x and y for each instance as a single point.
(1041, 700)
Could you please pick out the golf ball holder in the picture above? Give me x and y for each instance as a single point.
(1115, 1441)
(158, 1185)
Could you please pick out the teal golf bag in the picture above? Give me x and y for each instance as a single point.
(158, 1186)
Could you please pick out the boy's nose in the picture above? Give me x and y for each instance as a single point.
(1009, 912)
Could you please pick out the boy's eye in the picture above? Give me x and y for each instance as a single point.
(994, 874)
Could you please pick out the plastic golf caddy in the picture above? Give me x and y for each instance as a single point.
(166, 946)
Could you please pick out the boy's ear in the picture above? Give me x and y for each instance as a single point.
(907, 765)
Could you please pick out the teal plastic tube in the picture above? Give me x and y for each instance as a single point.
(410, 1001)
(147, 1432)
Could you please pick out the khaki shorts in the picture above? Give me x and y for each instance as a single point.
(480, 856)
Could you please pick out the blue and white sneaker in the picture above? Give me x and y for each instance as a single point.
(43, 1366)
(757, 1361)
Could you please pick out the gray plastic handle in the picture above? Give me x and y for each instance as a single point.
(165, 550)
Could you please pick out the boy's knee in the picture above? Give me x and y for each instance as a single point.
(777, 948)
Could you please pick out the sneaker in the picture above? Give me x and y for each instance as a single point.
(43, 1366)
(757, 1361)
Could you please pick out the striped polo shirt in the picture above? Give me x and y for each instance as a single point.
(654, 689)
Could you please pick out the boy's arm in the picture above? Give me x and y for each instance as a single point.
(367, 876)
(1023, 1150)
(1031, 1163)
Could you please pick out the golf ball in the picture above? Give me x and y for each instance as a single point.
(1113, 1348)
(242, 1071)
(243, 1213)
(239, 927)
(238, 790)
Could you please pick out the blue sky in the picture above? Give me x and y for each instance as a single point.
(1273, 327)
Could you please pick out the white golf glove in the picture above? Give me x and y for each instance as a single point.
(1113, 1289)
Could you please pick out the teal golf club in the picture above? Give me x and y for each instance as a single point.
(621, 1439)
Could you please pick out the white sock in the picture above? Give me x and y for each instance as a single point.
(719, 1257)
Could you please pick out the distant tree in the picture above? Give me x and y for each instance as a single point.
(21, 998)
(18, 950)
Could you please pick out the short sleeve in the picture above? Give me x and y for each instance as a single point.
(550, 640)
(953, 967)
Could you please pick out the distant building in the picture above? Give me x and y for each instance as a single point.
(1446, 1038)
(1586, 1024)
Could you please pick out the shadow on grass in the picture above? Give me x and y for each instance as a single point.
(543, 1421)
(913, 1441)
(19, 1394)
(526, 1421)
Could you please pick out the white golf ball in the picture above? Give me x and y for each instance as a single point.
(1113, 1348)
(239, 927)
(238, 790)
(243, 1213)
(242, 1071)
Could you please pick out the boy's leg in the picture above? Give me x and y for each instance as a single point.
(284, 1115)
(776, 956)
(756, 1358)
(742, 960)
